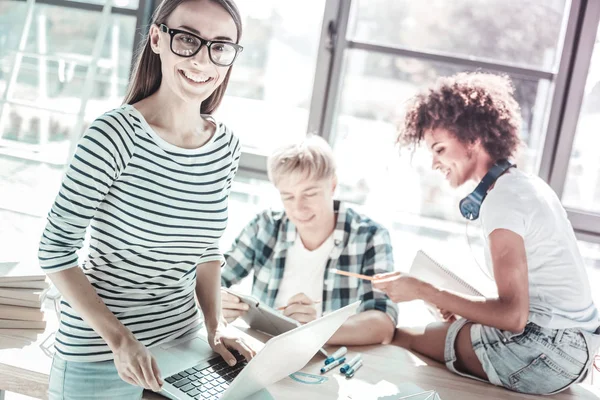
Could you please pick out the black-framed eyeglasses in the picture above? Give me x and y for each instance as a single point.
(186, 44)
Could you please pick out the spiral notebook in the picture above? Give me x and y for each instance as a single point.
(427, 269)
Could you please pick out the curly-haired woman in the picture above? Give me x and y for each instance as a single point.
(540, 333)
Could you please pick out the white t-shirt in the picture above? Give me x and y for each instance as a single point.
(304, 273)
(559, 289)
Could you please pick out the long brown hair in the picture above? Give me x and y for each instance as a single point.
(147, 76)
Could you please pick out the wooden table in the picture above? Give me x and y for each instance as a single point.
(25, 370)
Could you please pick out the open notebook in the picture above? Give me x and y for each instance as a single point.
(427, 269)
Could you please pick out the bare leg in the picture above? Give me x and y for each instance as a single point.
(431, 343)
(466, 359)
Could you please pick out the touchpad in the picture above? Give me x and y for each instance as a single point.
(173, 343)
(178, 355)
(197, 345)
(196, 348)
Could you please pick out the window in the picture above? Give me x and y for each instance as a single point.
(268, 97)
(383, 52)
(582, 185)
(40, 112)
(132, 4)
(376, 80)
(500, 30)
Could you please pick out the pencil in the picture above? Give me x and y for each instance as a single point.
(284, 307)
(353, 274)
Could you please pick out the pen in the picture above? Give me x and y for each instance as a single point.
(332, 365)
(350, 364)
(351, 371)
(338, 353)
(353, 274)
(284, 307)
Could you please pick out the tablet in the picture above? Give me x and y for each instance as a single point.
(266, 319)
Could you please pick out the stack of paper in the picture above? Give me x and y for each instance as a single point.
(23, 287)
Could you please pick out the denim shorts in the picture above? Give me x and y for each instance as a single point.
(535, 361)
(71, 380)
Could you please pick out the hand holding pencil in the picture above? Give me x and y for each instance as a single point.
(397, 285)
(378, 277)
(353, 274)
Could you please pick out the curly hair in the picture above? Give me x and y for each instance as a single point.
(472, 106)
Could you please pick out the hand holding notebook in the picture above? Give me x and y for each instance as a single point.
(406, 286)
(399, 286)
(427, 269)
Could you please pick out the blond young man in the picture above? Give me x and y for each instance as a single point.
(292, 253)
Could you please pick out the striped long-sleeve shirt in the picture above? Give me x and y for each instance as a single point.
(155, 211)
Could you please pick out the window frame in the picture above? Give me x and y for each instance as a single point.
(585, 223)
(578, 33)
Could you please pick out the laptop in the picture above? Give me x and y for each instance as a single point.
(191, 370)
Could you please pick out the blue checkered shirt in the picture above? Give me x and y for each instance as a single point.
(360, 245)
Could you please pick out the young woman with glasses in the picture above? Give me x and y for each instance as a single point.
(152, 180)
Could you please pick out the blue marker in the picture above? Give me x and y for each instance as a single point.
(350, 364)
(351, 371)
(339, 353)
(332, 365)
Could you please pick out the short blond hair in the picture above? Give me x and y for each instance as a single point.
(312, 158)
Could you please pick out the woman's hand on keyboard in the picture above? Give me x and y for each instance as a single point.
(136, 365)
(223, 339)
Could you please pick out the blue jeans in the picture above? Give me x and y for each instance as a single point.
(535, 361)
(88, 380)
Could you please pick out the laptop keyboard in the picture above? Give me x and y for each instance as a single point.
(209, 379)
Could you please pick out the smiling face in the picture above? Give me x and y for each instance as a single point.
(195, 78)
(456, 160)
(308, 203)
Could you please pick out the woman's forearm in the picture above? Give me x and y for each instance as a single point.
(496, 313)
(368, 327)
(82, 297)
(208, 292)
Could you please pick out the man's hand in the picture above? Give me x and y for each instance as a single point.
(301, 308)
(232, 307)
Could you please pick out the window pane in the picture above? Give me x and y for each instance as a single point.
(268, 97)
(582, 185)
(54, 81)
(374, 89)
(591, 257)
(131, 4)
(499, 30)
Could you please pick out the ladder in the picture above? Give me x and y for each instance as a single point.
(40, 151)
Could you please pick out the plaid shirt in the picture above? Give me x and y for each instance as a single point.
(360, 245)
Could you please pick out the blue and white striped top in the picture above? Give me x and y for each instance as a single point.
(155, 211)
